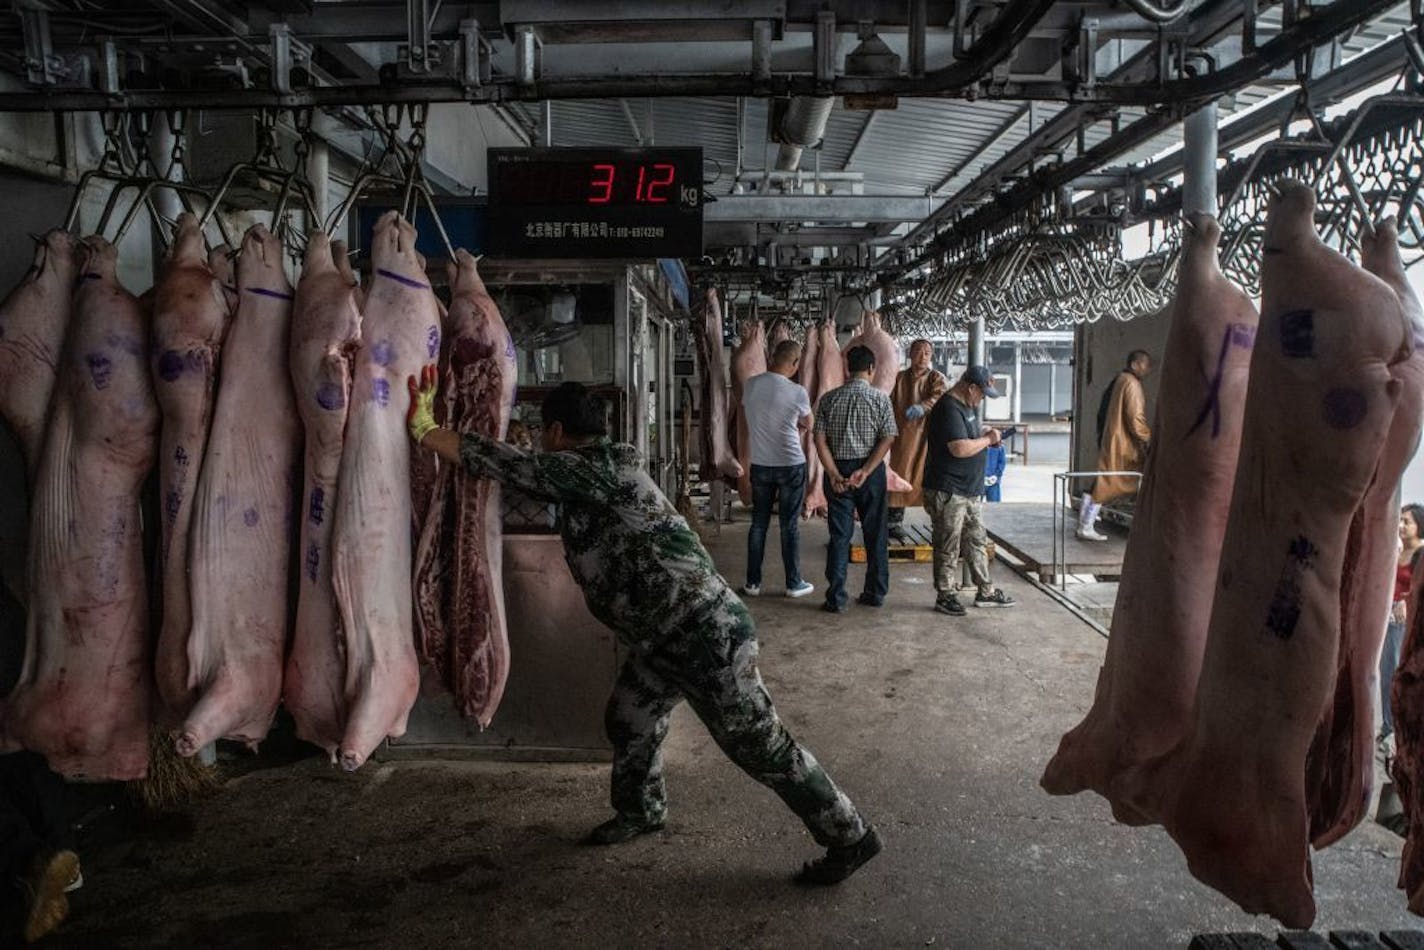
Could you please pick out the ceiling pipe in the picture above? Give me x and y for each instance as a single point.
(1153, 12)
(803, 125)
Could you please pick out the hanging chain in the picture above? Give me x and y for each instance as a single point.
(115, 126)
(178, 125)
(266, 138)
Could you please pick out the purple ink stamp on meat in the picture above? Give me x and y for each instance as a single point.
(317, 505)
(249, 517)
(329, 395)
(101, 369)
(313, 561)
(1345, 408)
(381, 392)
(170, 365)
(383, 353)
(432, 341)
(1298, 334)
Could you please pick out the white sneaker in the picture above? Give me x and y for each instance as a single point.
(749, 590)
(1090, 534)
(801, 589)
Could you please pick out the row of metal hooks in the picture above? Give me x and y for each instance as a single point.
(130, 177)
(1044, 270)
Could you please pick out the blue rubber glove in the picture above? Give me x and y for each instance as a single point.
(914, 412)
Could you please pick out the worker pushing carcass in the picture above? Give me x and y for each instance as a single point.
(646, 575)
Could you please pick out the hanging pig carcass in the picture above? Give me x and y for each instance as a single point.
(1147, 686)
(191, 309)
(84, 694)
(400, 333)
(326, 329)
(459, 591)
(1232, 793)
(33, 320)
(718, 461)
(240, 543)
(1340, 768)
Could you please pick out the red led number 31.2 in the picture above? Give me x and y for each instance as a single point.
(652, 186)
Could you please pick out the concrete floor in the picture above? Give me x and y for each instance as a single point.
(938, 728)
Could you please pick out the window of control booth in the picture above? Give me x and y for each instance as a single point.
(562, 332)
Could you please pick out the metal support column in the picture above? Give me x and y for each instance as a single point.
(1018, 382)
(1199, 161)
(976, 343)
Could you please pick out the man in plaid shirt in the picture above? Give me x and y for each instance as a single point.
(855, 428)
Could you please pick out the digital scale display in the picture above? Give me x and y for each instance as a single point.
(595, 203)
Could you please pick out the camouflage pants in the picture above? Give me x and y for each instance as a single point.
(958, 524)
(714, 668)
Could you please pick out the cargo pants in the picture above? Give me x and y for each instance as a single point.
(958, 522)
(712, 664)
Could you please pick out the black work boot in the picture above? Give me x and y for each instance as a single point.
(841, 862)
(618, 830)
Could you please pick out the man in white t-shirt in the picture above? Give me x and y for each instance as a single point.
(777, 411)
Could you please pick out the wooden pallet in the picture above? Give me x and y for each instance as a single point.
(919, 549)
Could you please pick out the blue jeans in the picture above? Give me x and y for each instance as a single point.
(1389, 662)
(770, 483)
(870, 501)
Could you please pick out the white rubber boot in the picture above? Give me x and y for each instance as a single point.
(1087, 514)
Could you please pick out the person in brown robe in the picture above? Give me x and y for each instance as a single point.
(917, 389)
(1122, 443)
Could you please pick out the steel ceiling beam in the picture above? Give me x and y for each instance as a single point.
(747, 234)
(817, 208)
(1205, 25)
(1210, 25)
(1383, 61)
(206, 16)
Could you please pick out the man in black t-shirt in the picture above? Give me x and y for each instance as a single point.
(954, 490)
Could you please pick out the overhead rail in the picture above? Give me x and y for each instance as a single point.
(286, 60)
(1042, 269)
(1181, 97)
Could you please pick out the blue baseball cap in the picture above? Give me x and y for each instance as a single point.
(979, 376)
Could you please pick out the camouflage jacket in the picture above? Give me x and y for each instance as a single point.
(643, 571)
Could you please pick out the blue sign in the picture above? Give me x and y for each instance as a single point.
(676, 276)
(466, 221)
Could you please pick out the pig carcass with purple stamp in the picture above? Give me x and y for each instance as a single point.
(84, 694)
(326, 329)
(1233, 793)
(372, 541)
(1340, 768)
(809, 376)
(240, 544)
(33, 319)
(1147, 686)
(191, 310)
(459, 590)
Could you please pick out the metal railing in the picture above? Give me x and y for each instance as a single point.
(1061, 482)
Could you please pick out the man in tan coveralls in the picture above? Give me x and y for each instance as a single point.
(1122, 443)
(917, 389)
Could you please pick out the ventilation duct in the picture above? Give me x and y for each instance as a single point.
(803, 124)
